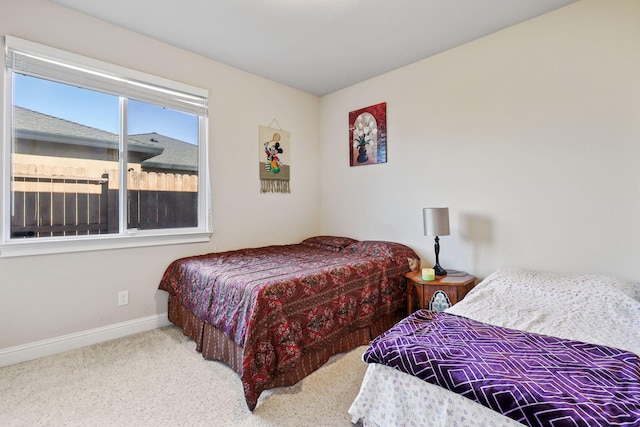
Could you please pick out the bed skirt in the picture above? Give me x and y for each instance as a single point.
(214, 345)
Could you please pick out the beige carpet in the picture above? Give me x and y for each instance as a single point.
(157, 378)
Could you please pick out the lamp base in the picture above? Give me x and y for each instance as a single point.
(439, 270)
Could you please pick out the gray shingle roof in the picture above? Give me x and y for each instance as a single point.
(27, 120)
(176, 154)
(165, 152)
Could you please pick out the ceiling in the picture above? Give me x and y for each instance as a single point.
(318, 46)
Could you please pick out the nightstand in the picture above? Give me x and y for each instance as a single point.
(439, 294)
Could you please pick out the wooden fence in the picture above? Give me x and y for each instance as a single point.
(69, 203)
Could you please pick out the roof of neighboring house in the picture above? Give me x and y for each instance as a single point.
(176, 154)
(33, 124)
(161, 152)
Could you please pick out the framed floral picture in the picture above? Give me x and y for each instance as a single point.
(368, 135)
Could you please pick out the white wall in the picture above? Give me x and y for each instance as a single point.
(531, 136)
(44, 297)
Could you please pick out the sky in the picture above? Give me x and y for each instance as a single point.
(100, 110)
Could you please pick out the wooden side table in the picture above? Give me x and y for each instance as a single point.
(439, 294)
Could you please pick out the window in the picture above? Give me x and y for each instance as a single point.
(98, 156)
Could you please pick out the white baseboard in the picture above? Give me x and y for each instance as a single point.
(35, 350)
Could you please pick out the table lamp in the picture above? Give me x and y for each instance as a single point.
(436, 223)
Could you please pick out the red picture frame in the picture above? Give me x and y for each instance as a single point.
(368, 135)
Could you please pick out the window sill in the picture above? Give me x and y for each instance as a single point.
(44, 246)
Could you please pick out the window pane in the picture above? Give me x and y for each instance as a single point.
(70, 118)
(162, 167)
(65, 163)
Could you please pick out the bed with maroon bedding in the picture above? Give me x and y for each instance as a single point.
(275, 314)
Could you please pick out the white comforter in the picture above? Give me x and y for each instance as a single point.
(592, 308)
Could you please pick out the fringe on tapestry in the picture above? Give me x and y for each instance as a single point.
(273, 186)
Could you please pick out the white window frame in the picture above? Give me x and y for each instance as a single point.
(121, 82)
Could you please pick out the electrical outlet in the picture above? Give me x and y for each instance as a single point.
(123, 297)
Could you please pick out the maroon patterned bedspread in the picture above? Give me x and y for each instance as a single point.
(280, 301)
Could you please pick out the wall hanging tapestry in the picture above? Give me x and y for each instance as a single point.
(274, 164)
(368, 135)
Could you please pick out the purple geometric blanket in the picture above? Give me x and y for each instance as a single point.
(537, 380)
